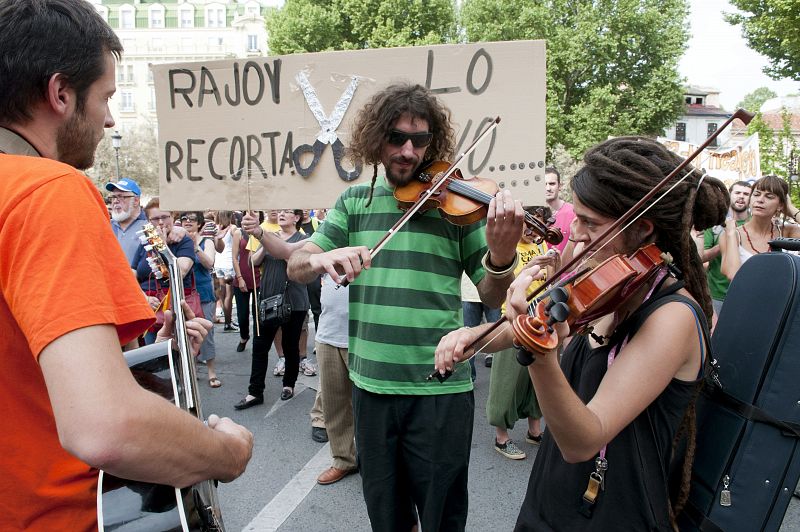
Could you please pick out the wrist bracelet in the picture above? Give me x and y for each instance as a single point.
(795, 216)
(485, 261)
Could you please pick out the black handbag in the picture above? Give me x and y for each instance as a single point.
(275, 310)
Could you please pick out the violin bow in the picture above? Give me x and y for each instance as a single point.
(607, 236)
(426, 196)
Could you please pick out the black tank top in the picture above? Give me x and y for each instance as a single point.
(640, 459)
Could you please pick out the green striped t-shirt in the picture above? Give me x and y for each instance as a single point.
(410, 297)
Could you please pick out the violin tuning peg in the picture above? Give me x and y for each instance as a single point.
(524, 357)
(559, 295)
(559, 313)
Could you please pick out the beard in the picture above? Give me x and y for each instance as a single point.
(737, 209)
(76, 142)
(406, 175)
(123, 216)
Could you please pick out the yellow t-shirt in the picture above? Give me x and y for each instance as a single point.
(526, 253)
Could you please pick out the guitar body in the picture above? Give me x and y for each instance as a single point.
(139, 506)
(167, 369)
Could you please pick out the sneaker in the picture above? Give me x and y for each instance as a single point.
(509, 449)
(307, 368)
(280, 368)
(230, 327)
(487, 360)
(535, 440)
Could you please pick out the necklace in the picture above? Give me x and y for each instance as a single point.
(771, 235)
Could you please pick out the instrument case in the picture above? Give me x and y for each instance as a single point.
(747, 461)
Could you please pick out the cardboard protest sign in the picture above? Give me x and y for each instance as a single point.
(741, 162)
(272, 132)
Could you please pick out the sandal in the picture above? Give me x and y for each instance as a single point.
(214, 382)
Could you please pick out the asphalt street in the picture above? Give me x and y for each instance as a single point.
(278, 492)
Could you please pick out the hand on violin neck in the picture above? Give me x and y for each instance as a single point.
(517, 293)
(504, 223)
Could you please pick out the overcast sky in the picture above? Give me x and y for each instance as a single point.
(718, 57)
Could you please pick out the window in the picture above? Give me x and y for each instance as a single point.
(156, 16)
(252, 10)
(252, 43)
(680, 131)
(152, 104)
(186, 16)
(698, 100)
(215, 16)
(127, 17)
(126, 101)
(712, 127)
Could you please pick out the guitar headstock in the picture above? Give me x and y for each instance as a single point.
(156, 249)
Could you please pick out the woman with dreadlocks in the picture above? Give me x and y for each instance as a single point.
(612, 457)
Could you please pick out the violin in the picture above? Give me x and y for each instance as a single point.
(460, 201)
(586, 298)
(612, 299)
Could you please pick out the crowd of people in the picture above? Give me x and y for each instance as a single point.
(405, 312)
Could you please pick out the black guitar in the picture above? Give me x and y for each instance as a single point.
(168, 369)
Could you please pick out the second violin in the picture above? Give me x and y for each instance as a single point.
(460, 201)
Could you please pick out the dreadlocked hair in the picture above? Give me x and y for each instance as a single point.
(617, 174)
(376, 119)
(620, 171)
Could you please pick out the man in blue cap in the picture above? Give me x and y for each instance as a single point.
(127, 216)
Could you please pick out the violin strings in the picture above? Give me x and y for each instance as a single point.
(481, 196)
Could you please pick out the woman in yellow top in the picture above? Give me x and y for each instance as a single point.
(511, 393)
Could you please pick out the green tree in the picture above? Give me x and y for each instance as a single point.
(138, 159)
(771, 29)
(612, 65)
(776, 147)
(754, 100)
(320, 25)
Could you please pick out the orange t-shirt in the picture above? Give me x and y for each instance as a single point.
(61, 269)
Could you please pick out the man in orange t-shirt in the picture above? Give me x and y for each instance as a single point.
(67, 297)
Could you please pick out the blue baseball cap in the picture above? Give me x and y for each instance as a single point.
(126, 185)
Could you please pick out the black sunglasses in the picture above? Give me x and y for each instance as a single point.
(418, 140)
(189, 219)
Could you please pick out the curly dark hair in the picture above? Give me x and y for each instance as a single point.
(617, 174)
(375, 120)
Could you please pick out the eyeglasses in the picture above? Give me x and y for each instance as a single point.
(418, 140)
(192, 219)
(156, 219)
(121, 198)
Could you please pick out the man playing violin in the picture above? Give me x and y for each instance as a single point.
(70, 403)
(413, 437)
(620, 395)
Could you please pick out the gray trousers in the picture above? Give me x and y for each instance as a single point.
(336, 401)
